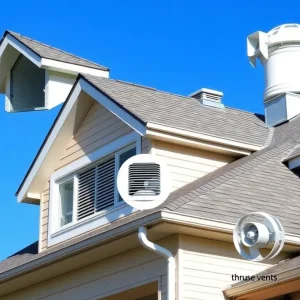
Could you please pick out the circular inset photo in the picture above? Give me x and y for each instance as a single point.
(144, 181)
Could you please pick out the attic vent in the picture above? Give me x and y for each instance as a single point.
(209, 97)
(144, 179)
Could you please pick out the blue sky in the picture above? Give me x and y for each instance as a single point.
(177, 46)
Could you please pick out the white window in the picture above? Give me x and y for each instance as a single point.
(95, 191)
(87, 197)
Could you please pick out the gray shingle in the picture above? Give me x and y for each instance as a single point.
(278, 270)
(150, 105)
(49, 52)
(259, 182)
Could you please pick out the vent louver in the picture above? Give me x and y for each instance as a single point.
(208, 97)
(144, 179)
(96, 189)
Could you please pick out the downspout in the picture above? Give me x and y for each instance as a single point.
(165, 253)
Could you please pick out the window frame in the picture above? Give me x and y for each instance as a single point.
(75, 185)
(57, 233)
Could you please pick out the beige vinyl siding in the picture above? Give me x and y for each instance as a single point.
(187, 164)
(44, 211)
(206, 267)
(104, 278)
(99, 127)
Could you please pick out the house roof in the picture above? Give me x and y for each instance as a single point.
(258, 182)
(182, 112)
(46, 51)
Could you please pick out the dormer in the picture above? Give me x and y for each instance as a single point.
(35, 76)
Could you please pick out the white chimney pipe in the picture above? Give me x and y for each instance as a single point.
(142, 234)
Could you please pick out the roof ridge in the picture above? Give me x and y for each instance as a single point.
(172, 94)
(135, 84)
(55, 48)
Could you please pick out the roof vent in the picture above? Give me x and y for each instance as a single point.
(279, 53)
(209, 97)
(144, 181)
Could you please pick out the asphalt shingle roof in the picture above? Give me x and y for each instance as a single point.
(49, 52)
(182, 112)
(278, 269)
(258, 182)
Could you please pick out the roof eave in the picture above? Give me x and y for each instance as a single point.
(207, 141)
(247, 289)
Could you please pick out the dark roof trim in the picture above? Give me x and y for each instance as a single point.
(113, 100)
(7, 32)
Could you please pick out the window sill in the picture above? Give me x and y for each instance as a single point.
(102, 218)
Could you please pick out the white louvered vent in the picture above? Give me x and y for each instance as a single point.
(96, 189)
(208, 97)
(144, 179)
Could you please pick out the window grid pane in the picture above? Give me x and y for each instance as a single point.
(66, 202)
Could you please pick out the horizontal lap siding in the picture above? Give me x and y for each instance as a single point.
(106, 277)
(44, 211)
(187, 164)
(206, 267)
(99, 127)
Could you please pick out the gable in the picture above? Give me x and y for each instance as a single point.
(99, 127)
(65, 128)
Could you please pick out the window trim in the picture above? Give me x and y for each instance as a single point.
(57, 234)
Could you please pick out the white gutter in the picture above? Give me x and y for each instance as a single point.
(165, 253)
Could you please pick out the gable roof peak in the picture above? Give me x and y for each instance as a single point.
(47, 51)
